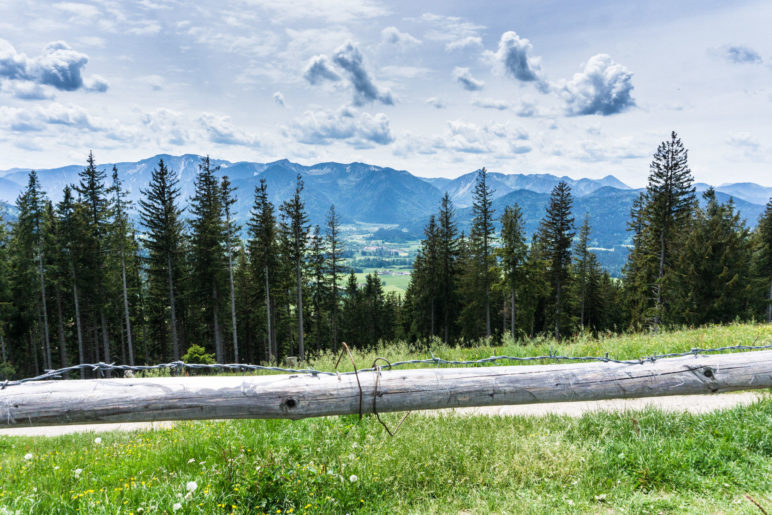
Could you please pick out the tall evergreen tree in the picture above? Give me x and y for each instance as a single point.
(161, 216)
(583, 266)
(335, 249)
(121, 228)
(264, 253)
(317, 263)
(482, 236)
(556, 233)
(447, 264)
(208, 239)
(670, 204)
(231, 230)
(294, 226)
(763, 258)
(513, 254)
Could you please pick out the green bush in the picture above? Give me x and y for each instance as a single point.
(198, 355)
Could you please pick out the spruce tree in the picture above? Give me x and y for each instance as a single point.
(162, 218)
(763, 258)
(670, 204)
(208, 241)
(513, 254)
(556, 233)
(294, 227)
(335, 249)
(582, 265)
(264, 253)
(482, 237)
(447, 264)
(317, 264)
(121, 229)
(231, 230)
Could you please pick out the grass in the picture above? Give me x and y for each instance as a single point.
(635, 462)
(395, 283)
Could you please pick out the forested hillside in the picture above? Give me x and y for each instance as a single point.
(96, 273)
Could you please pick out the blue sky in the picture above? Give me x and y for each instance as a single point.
(583, 89)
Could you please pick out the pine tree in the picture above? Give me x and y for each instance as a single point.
(120, 209)
(556, 233)
(208, 239)
(582, 266)
(231, 230)
(513, 254)
(335, 248)
(94, 196)
(294, 227)
(670, 204)
(161, 216)
(447, 264)
(763, 258)
(482, 236)
(317, 263)
(263, 250)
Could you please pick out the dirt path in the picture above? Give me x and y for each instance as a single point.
(676, 403)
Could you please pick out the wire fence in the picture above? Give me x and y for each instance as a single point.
(179, 367)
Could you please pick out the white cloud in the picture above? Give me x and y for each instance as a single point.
(279, 98)
(498, 139)
(491, 103)
(26, 90)
(463, 43)
(436, 102)
(464, 77)
(350, 59)
(319, 69)
(220, 129)
(449, 28)
(513, 56)
(78, 11)
(358, 129)
(58, 66)
(739, 54)
(393, 36)
(603, 87)
(338, 11)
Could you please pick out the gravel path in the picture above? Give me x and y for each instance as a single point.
(675, 403)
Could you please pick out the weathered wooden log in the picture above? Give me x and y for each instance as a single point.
(299, 396)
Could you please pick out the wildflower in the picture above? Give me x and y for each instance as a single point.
(353, 478)
(191, 460)
(97, 440)
(177, 506)
(28, 456)
(191, 486)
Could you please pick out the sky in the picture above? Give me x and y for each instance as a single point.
(438, 88)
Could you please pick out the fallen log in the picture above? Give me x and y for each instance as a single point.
(297, 396)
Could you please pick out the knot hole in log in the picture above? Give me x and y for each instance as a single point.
(289, 403)
(708, 372)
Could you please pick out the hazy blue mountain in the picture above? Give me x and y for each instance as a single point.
(461, 189)
(378, 195)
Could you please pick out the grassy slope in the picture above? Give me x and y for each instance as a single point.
(633, 462)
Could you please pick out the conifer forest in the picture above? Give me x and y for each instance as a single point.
(95, 277)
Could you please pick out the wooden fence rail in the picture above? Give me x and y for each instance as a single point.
(296, 396)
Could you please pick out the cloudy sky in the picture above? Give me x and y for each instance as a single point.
(440, 88)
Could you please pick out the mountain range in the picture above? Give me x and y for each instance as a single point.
(364, 193)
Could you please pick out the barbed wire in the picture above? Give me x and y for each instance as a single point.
(180, 366)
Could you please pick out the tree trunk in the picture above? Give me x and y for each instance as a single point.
(557, 309)
(47, 341)
(272, 351)
(233, 294)
(81, 350)
(487, 306)
(513, 314)
(660, 274)
(301, 346)
(431, 319)
(105, 338)
(175, 343)
(129, 341)
(3, 353)
(218, 343)
(769, 306)
(60, 328)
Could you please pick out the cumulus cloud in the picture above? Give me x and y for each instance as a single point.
(603, 87)
(345, 124)
(490, 103)
(514, 57)
(26, 90)
(221, 130)
(319, 69)
(739, 54)
(349, 58)
(279, 98)
(464, 77)
(54, 113)
(58, 66)
(166, 127)
(436, 102)
(466, 42)
(499, 139)
(394, 36)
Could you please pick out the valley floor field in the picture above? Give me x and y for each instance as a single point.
(640, 461)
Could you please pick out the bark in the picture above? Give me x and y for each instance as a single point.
(513, 313)
(129, 341)
(301, 346)
(175, 342)
(81, 351)
(233, 293)
(218, 343)
(272, 351)
(47, 341)
(60, 328)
